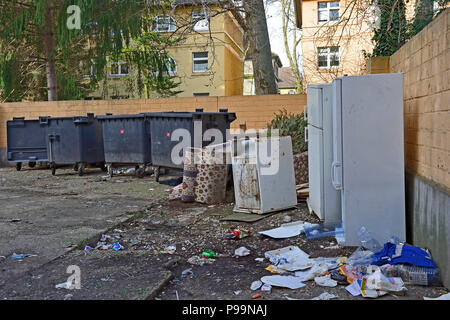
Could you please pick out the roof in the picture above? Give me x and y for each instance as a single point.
(287, 78)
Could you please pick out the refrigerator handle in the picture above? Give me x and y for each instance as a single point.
(306, 134)
(305, 113)
(337, 183)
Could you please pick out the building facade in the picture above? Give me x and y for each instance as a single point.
(335, 38)
(249, 80)
(209, 61)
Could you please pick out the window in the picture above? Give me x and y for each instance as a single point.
(171, 66)
(200, 62)
(87, 69)
(165, 23)
(201, 20)
(118, 69)
(328, 57)
(328, 11)
(206, 94)
(292, 91)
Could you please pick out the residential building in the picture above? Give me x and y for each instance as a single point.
(334, 39)
(287, 83)
(337, 36)
(208, 62)
(249, 81)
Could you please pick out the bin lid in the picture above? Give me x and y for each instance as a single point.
(120, 116)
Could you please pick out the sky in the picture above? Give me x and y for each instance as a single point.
(274, 26)
(273, 16)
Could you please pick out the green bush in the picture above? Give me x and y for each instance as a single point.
(292, 125)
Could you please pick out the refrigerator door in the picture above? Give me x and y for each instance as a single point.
(316, 171)
(332, 197)
(372, 156)
(315, 107)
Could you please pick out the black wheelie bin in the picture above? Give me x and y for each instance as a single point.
(26, 141)
(164, 124)
(126, 140)
(76, 141)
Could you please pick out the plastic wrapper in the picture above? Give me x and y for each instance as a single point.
(367, 241)
(360, 257)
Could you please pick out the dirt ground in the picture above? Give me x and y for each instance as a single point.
(143, 269)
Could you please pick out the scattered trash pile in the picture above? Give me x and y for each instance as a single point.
(107, 242)
(19, 257)
(371, 271)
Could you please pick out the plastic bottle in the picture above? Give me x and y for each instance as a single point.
(413, 274)
(367, 241)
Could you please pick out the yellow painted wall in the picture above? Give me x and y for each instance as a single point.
(225, 59)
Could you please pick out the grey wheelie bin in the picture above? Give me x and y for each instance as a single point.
(26, 141)
(165, 140)
(126, 140)
(76, 141)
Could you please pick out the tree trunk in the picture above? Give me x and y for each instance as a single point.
(49, 50)
(261, 54)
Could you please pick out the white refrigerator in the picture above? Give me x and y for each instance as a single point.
(324, 200)
(263, 175)
(368, 156)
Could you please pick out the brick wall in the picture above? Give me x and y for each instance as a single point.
(256, 111)
(425, 62)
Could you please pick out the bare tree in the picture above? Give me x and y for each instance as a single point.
(292, 40)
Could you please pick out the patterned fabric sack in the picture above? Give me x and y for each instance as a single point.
(212, 172)
(190, 174)
(175, 193)
(205, 174)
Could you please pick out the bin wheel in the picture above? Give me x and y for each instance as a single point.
(81, 170)
(140, 172)
(32, 164)
(110, 170)
(18, 166)
(104, 168)
(75, 167)
(157, 172)
(53, 170)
